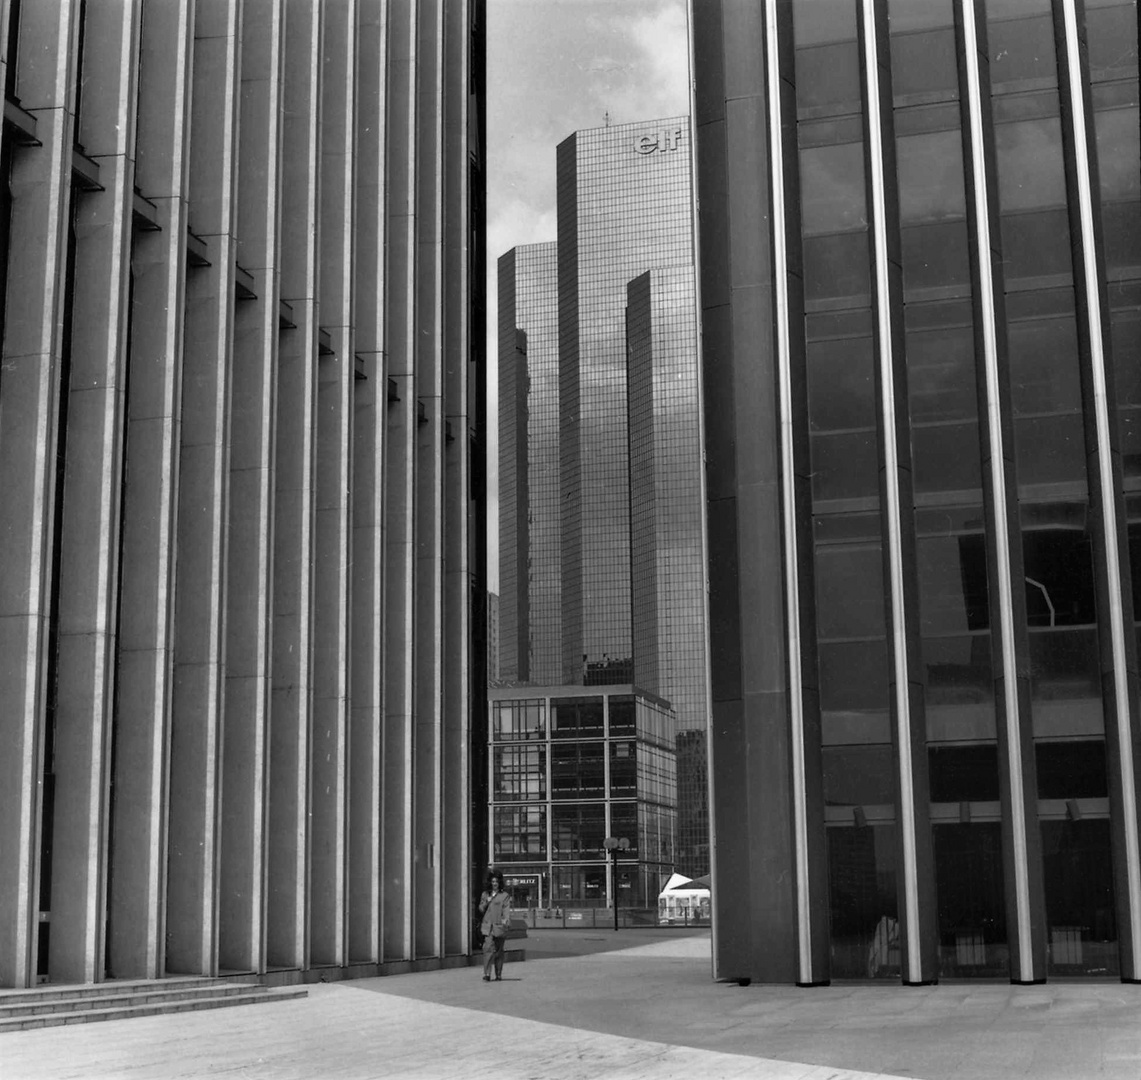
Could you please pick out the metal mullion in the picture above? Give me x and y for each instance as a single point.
(788, 495)
(1088, 268)
(892, 508)
(986, 304)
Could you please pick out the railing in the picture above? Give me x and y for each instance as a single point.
(590, 917)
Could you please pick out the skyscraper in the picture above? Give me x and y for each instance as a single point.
(920, 243)
(530, 573)
(241, 536)
(624, 207)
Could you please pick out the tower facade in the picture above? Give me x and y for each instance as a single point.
(921, 300)
(529, 517)
(241, 534)
(624, 206)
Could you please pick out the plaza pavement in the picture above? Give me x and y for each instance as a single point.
(626, 1005)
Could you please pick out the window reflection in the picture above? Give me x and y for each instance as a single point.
(862, 901)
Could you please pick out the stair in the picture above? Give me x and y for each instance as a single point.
(51, 1006)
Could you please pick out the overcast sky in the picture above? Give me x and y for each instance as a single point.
(554, 67)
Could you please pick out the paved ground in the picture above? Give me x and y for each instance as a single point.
(631, 1005)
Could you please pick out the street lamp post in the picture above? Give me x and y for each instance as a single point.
(614, 845)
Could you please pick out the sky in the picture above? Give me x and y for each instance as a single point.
(555, 67)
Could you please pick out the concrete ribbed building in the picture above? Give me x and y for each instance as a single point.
(241, 516)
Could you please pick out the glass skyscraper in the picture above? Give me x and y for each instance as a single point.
(530, 576)
(922, 351)
(624, 206)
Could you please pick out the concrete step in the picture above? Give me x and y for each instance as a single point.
(155, 993)
(53, 992)
(150, 1003)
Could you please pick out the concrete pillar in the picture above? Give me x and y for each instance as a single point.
(137, 899)
(335, 372)
(370, 401)
(92, 485)
(32, 360)
(456, 631)
(203, 502)
(248, 582)
(399, 463)
(287, 924)
(428, 483)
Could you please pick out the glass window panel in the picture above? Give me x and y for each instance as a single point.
(923, 63)
(832, 189)
(972, 913)
(622, 715)
(1071, 769)
(941, 374)
(517, 720)
(519, 833)
(960, 679)
(862, 902)
(1111, 36)
(858, 776)
(1050, 450)
(836, 269)
(623, 768)
(930, 167)
(963, 773)
(1077, 872)
(520, 772)
(841, 380)
(827, 55)
(1031, 174)
(849, 591)
(854, 676)
(953, 595)
(1037, 246)
(577, 770)
(1126, 337)
(946, 457)
(577, 831)
(1044, 366)
(936, 257)
(845, 466)
(576, 717)
(1118, 154)
(1020, 37)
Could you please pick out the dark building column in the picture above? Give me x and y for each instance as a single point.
(1117, 642)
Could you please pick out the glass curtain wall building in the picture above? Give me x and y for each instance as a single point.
(530, 570)
(570, 767)
(624, 206)
(242, 580)
(667, 584)
(922, 392)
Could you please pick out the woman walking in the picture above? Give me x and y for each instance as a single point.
(495, 907)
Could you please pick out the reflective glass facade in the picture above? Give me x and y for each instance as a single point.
(530, 576)
(667, 584)
(624, 206)
(925, 496)
(570, 767)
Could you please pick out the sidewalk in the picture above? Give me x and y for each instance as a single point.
(645, 1007)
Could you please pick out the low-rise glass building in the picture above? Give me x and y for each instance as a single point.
(568, 769)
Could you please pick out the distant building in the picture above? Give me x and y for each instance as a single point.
(624, 207)
(492, 638)
(530, 573)
(691, 855)
(667, 524)
(568, 769)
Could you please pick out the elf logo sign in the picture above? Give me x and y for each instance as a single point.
(657, 142)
